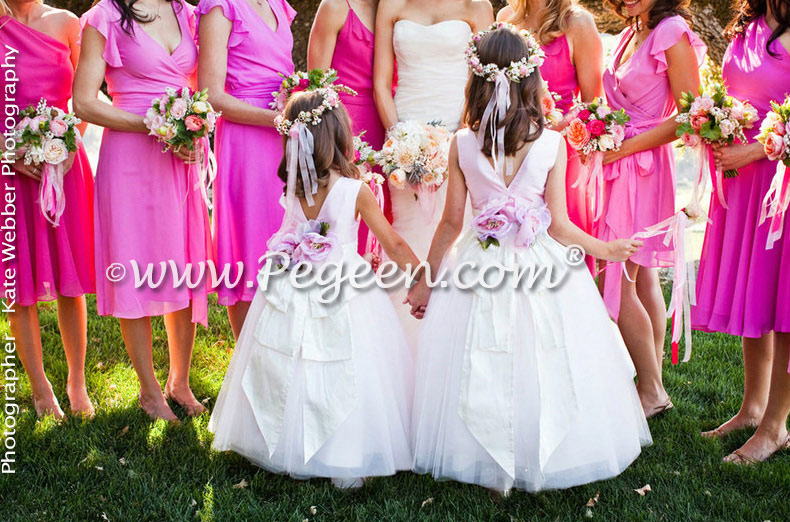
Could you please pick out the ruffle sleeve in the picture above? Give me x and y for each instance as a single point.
(239, 30)
(290, 12)
(669, 32)
(104, 18)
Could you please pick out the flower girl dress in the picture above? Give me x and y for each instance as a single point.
(320, 389)
(526, 388)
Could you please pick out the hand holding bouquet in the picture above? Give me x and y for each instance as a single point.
(775, 137)
(48, 136)
(594, 129)
(180, 119)
(365, 160)
(306, 81)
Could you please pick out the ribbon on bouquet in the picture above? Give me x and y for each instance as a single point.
(775, 205)
(694, 207)
(372, 244)
(706, 155)
(51, 196)
(591, 176)
(684, 281)
(204, 172)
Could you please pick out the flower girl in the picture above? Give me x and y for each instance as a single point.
(518, 387)
(320, 387)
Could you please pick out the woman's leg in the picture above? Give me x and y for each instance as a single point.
(27, 334)
(648, 289)
(180, 340)
(771, 435)
(637, 331)
(757, 360)
(237, 313)
(137, 337)
(73, 324)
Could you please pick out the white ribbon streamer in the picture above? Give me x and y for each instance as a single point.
(492, 116)
(51, 195)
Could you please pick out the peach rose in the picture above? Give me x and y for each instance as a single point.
(774, 147)
(577, 134)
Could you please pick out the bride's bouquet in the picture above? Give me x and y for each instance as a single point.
(306, 81)
(713, 117)
(595, 128)
(48, 135)
(775, 137)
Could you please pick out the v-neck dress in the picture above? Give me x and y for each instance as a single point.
(50, 261)
(247, 190)
(148, 206)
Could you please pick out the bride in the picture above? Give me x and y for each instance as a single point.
(427, 40)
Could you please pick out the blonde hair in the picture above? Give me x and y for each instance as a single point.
(553, 20)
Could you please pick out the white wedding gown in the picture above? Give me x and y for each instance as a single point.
(432, 76)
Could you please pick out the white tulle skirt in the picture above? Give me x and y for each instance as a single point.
(374, 438)
(598, 440)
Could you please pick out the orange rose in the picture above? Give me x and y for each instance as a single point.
(548, 103)
(577, 134)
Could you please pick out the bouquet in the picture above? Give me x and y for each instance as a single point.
(775, 137)
(310, 243)
(710, 118)
(48, 135)
(178, 119)
(365, 160)
(306, 81)
(549, 104)
(595, 128)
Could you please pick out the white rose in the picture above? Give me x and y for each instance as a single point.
(54, 151)
(200, 107)
(398, 178)
(727, 127)
(606, 142)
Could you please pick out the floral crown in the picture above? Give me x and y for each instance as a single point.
(313, 117)
(516, 70)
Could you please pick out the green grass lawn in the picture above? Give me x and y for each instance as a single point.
(121, 466)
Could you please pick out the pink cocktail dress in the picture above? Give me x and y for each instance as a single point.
(742, 288)
(353, 61)
(149, 207)
(560, 73)
(49, 261)
(247, 191)
(640, 188)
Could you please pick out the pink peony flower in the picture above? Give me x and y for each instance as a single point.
(55, 151)
(24, 123)
(603, 111)
(179, 109)
(697, 121)
(618, 134)
(577, 134)
(492, 223)
(774, 147)
(779, 128)
(314, 247)
(58, 127)
(691, 140)
(596, 128)
(194, 122)
(533, 221)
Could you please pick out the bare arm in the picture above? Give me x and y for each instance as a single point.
(73, 31)
(395, 246)
(683, 76)
(212, 70)
(565, 232)
(587, 54)
(384, 61)
(329, 20)
(87, 82)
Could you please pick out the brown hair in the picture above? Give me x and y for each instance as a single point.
(746, 11)
(333, 141)
(660, 10)
(553, 19)
(523, 123)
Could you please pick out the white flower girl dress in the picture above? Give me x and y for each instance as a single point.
(316, 389)
(528, 388)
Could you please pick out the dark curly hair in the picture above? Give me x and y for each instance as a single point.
(129, 14)
(660, 10)
(746, 11)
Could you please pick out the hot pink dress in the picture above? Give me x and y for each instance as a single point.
(640, 188)
(742, 288)
(353, 61)
(247, 191)
(49, 261)
(148, 207)
(560, 73)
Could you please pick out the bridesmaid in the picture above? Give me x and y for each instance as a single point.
(744, 289)
(151, 209)
(51, 262)
(573, 68)
(343, 25)
(244, 46)
(658, 58)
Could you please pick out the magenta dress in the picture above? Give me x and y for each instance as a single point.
(49, 261)
(640, 188)
(742, 288)
(353, 61)
(560, 73)
(148, 206)
(247, 191)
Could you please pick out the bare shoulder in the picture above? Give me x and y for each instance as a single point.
(333, 7)
(581, 20)
(505, 14)
(390, 8)
(481, 12)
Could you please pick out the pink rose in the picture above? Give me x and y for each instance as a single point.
(584, 115)
(58, 127)
(691, 140)
(179, 109)
(596, 128)
(211, 119)
(702, 105)
(24, 123)
(577, 134)
(618, 134)
(194, 122)
(697, 121)
(303, 84)
(779, 128)
(774, 147)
